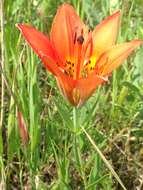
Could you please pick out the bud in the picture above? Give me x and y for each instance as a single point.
(22, 129)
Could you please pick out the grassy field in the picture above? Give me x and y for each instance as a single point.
(49, 153)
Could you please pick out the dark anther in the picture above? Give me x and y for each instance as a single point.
(80, 39)
(72, 64)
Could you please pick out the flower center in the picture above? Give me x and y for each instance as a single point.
(80, 61)
(88, 67)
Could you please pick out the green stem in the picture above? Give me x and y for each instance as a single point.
(2, 63)
(76, 146)
(75, 121)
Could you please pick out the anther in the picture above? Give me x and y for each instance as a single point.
(80, 39)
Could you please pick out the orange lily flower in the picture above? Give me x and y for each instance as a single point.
(79, 59)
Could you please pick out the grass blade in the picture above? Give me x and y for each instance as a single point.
(104, 159)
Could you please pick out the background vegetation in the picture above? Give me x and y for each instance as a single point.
(113, 116)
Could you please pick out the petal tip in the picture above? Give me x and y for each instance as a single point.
(22, 26)
(137, 42)
(64, 6)
(114, 18)
(19, 26)
(115, 15)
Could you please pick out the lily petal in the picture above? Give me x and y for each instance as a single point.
(42, 47)
(105, 33)
(78, 91)
(66, 85)
(115, 56)
(87, 86)
(37, 40)
(40, 44)
(65, 24)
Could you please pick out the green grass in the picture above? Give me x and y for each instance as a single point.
(58, 156)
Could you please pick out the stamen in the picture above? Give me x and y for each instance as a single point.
(75, 36)
(88, 47)
(90, 44)
(80, 39)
